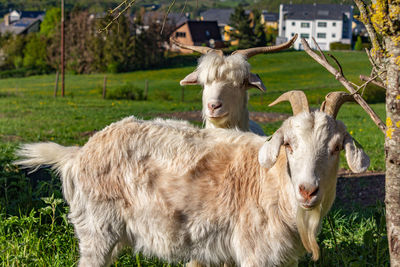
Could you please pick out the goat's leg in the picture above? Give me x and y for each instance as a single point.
(95, 248)
(194, 263)
(98, 235)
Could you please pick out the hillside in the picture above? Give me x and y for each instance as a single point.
(195, 6)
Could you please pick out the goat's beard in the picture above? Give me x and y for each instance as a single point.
(308, 225)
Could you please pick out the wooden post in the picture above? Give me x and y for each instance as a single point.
(56, 85)
(146, 89)
(62, 50)
(183, 93)
(104, 86)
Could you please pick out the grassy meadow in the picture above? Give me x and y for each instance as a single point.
(34, 230)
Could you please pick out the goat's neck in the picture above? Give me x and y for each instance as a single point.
(276, 185)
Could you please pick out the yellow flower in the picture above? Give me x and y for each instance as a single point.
(351, 132)
(389, 122)
(389, 132)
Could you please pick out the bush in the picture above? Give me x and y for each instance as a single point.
(162, 95)
(358, 46)
(374, 94)
(127, 91)
(339, 46)
(113, 67)
(22, 72)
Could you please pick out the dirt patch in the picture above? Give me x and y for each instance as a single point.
(359, 190)
(196, 116)
(10, 138)
(87, 133)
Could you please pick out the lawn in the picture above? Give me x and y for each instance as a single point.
(35, 232)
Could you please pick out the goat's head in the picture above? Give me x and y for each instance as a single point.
(312, 142)
(225, 80)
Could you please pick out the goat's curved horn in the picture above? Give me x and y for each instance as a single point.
(297, 99)
(248, 53)
(201, 49)
(333, 102)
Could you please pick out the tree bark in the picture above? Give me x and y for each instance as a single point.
(392, 152)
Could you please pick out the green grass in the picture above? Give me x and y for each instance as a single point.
(35, 232)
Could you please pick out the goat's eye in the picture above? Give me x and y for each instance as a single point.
(288, 147)
(336, 149)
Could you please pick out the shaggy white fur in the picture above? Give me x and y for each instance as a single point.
(225, 81)
(182, 193)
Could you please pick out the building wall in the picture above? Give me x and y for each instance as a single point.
(324, 31)
(333, 30)
(183, 36)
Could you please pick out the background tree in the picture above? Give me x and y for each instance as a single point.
(382, 21)
(51, 22)
(358, 45)
(242, 31)
(259, 29)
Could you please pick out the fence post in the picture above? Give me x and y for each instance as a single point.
(146, 89)
(183, 93)
(56, 85)
(104, 86)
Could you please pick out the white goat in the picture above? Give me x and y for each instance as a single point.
(225, 81)
(211, 195)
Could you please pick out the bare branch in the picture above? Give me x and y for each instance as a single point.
(372, 80)
(319, 49)
(338, 64)
(127, 6)
(346, 84)
(184, 7)
(166, 15)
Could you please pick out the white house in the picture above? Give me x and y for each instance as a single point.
(327, 23)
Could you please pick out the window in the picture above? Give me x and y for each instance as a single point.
(293, 23)
(321, 35)
(292, 34)
(180, 34)
(304, 35)
(333, 24)
(333, 35)
(322, 24)
(305, 25)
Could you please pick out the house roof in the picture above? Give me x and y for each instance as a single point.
(316, 11)
(19, 26)
(32, 14)
(222, 16)
(202, 31)
(158, 17)
(269, 16)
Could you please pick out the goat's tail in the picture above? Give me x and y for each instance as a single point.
(33, 156)
(60, 158)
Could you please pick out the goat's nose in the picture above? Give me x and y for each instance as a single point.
(308, 191)
(214, 105)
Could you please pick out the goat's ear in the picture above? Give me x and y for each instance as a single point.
(255, 81)
(356, 158)
(191, 79)
(268, 153)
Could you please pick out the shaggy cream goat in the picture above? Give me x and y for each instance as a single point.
(211, 195)
(225, 81)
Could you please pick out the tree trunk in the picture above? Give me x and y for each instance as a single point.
(392, 152)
